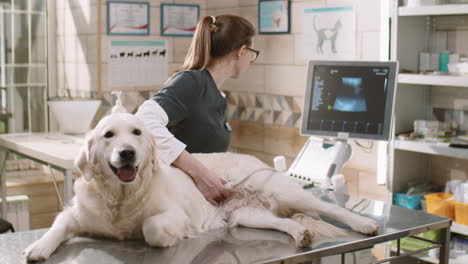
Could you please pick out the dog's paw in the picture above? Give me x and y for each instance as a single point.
(365, 225)
(304, 238)
(160, 237)
(162, 242)
(38, 251)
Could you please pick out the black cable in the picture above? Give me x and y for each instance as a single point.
(364, 148)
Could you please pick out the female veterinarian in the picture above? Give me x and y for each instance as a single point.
(189, 114)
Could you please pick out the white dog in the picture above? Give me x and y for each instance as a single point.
(126, 193)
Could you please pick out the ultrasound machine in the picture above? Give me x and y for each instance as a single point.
(343, 100)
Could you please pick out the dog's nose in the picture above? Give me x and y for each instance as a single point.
(127, 155)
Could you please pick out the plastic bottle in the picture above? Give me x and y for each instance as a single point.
(118, 107)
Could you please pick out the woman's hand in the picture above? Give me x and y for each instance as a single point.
(212, 187)
(208, 183)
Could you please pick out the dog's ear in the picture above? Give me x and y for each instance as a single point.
(154, 152)
(83, 161)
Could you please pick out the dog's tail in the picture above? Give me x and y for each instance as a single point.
(317, 226)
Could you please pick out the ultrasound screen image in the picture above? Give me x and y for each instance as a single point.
(348, 99)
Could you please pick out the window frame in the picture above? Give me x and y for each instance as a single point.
(11, 89)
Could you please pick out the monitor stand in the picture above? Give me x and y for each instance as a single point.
(320, 161)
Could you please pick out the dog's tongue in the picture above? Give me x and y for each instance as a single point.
(127, 173)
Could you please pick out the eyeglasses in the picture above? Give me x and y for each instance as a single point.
(256, 52)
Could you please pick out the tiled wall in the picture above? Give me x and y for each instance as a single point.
(270, 109)
(264, 104)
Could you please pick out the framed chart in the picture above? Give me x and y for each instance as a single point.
(179, 20)
(128, 18)
(137, 63)
(274, 16)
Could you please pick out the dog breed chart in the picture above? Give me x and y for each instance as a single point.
(137, 63)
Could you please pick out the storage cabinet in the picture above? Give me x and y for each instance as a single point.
(416, 30)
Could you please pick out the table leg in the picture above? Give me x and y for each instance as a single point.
(445, 246)
(68, 185)
(59, 196)
(3, 158)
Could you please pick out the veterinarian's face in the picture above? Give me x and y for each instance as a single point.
(120, 146)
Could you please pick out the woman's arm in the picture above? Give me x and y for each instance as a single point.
(172, 151)
(155, 119)
(209, 184)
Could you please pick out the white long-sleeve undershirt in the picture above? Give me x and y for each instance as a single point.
(155, 119)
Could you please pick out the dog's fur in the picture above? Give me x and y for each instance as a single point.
(162, 205)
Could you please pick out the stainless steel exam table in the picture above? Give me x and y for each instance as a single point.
(240, 245)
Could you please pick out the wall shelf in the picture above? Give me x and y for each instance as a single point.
(459, 229)
(436, 260)
(439, 80)
(441, 148)
(427, 258)
(433, 10)
(415, 98)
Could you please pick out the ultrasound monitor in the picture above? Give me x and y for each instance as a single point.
(343, 99)
(349, 99)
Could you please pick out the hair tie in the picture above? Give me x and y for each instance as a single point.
(214, 27)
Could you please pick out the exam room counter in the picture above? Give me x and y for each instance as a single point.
(235, 245)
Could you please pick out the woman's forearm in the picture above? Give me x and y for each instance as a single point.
(208, 183)
(190, 165)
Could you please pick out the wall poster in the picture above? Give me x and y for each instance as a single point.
(137, 63)
(128, 18)
(179, 20)
(274, 16)
(329, 33)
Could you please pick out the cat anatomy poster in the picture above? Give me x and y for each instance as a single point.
(329, 33)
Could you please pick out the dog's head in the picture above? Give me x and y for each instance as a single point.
(119, 147)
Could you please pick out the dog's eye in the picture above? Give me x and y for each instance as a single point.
(137, 132)
(109, 134)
